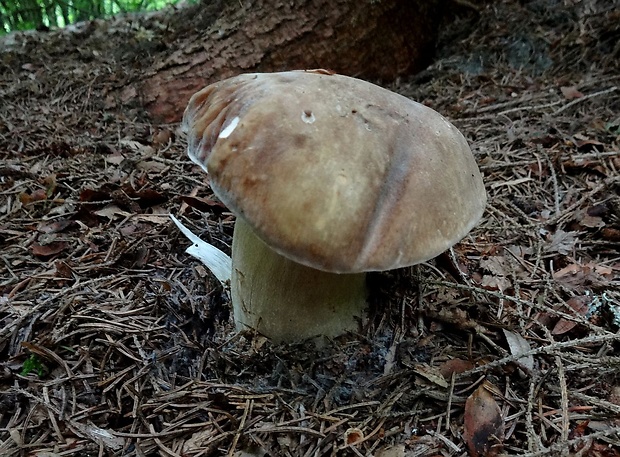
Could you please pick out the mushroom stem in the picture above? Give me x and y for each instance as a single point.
(287, 301)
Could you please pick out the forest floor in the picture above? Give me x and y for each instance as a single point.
(113, 341)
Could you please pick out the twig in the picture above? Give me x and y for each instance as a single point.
(584, 98)
(557, 447)
(548, 349)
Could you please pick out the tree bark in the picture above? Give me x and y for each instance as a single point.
(372, 39)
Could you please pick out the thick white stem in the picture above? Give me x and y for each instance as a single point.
(287, 301)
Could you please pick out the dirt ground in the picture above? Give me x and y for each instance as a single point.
(113, 341)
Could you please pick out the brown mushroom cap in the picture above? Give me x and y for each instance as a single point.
(333, 172)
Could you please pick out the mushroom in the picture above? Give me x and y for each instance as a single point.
(330, 177)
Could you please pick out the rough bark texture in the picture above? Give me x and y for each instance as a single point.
(369, 39)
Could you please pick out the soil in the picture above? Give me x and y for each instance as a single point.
(114, 341)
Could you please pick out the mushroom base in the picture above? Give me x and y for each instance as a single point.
(287, 301)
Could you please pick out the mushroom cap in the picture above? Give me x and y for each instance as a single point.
(333, 172)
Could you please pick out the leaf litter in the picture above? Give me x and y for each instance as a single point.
(134, 340)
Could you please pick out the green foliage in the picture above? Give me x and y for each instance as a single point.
(33, 363)
(40, 14)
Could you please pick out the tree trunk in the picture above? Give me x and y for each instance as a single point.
(380, 39)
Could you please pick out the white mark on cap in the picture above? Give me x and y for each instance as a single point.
(229, 128)
(308, 117)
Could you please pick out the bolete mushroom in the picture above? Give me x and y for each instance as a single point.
(330, 177)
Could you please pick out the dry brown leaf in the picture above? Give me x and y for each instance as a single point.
(589, 219)
(611, 234)
(519, 345)
(570, 92)
(456, 366)
(133, 145)
(579, 306)
(579, 430)
(48, 250)
(55, 226)
(483, 424)
(562, 242)
(519, 250)
(111, 211)
(602, 270)
(575, 275)
(115, 159)
(431, 374)
(63, 270)
(204, 204)
(495, 264)
(151, 166)
(568, 271)
(500, 283)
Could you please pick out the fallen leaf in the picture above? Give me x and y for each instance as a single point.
(603, 449)
(94, 195)
(55, 226)
(144, 149)
(575, 275)
(599, 210)
(431, 374)
(591, 222)
(519, 345)
(63, 270)
(582, 165)
(48, 250)
(579, 430)
(520, 251)
(570, 92)
(562, 242)
(455, 366)
(151, 166)
(115, 158)
(111, 211)
(611, 234)
(496, 283)
(588, 144)
(204, 204)
(569, 270)
(579, 306)
(590, 219)
(495, 264)
(146, 197)
(483, 424)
